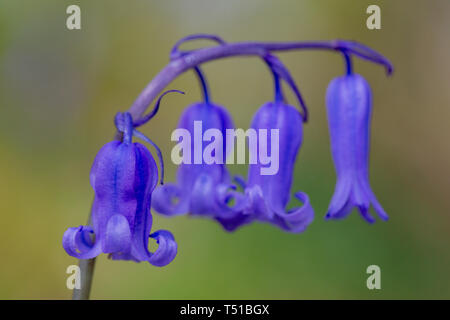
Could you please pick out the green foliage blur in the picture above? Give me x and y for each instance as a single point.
(59, 92)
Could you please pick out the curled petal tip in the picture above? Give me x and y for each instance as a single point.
(167, 248)
(163, 200)
(77, 243)
(364, 211)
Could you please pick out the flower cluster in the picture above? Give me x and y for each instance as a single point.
(124, 175)
(206, 189)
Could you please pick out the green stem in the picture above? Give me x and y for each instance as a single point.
(86, 275)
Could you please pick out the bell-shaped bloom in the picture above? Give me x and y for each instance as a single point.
(349, 107)
(267, 192)
(203, 184)
(123, 177)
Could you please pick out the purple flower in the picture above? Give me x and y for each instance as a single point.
(267, 195)
(206, 188)
(201, 188)
(123, 177)
(349, 107)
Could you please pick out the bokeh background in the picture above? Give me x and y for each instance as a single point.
(60, 89)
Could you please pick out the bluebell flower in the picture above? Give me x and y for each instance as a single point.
(267, 195)
(123, 177)
(349, 108)
(201, 188)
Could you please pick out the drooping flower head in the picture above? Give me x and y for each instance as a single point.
(123, 176)
(349, 108)
(267, 192)
(202, 187)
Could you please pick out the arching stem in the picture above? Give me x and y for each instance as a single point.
(348, 63)
(197, 57)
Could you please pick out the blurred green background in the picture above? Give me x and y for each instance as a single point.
(60, 89)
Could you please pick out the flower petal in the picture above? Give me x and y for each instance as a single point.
(167, 249)
(340, 199)
(231, 216)
(118, 235)
(296, 219)
(237, 220)
(203, 195)
(374, 201)
(76, 243)
(349, 109)
(170, 200)
(364, 211)
(229, 200)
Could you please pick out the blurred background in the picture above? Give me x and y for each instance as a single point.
(59, 92)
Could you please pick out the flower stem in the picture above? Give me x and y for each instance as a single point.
(86, 274)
